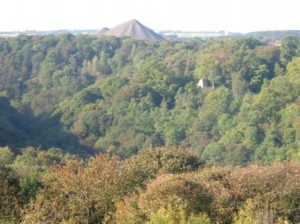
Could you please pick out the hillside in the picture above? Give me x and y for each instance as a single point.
(116, 130)
(102, 31)
(85, 95)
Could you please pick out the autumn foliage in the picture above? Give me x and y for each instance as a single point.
(110, 190)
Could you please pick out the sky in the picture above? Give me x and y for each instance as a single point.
(185, 15)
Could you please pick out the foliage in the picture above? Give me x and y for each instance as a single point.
(176, 215)
(136, 103)
(226, 195)
(86, 95)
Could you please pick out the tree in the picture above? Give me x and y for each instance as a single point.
(10, 198)
(209, 66)
(289, 48)
(103, 64)
(79, 193)
(6, 156)
(177, 215)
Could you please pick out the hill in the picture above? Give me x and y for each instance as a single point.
(135, 30)
(102, 31)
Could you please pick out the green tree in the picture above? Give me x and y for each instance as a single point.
(289, 48)
(176, 215)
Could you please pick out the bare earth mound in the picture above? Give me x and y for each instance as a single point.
(135, 30)
(102, 31)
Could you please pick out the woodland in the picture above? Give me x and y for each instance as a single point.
(116, 130)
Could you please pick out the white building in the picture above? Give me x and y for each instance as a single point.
(203, 83)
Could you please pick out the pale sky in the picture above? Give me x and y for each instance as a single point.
(186, 15)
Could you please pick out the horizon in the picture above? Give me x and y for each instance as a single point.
(190, 16)
(162, 30)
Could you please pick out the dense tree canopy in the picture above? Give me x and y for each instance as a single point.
(65, 99)
(86, 94)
